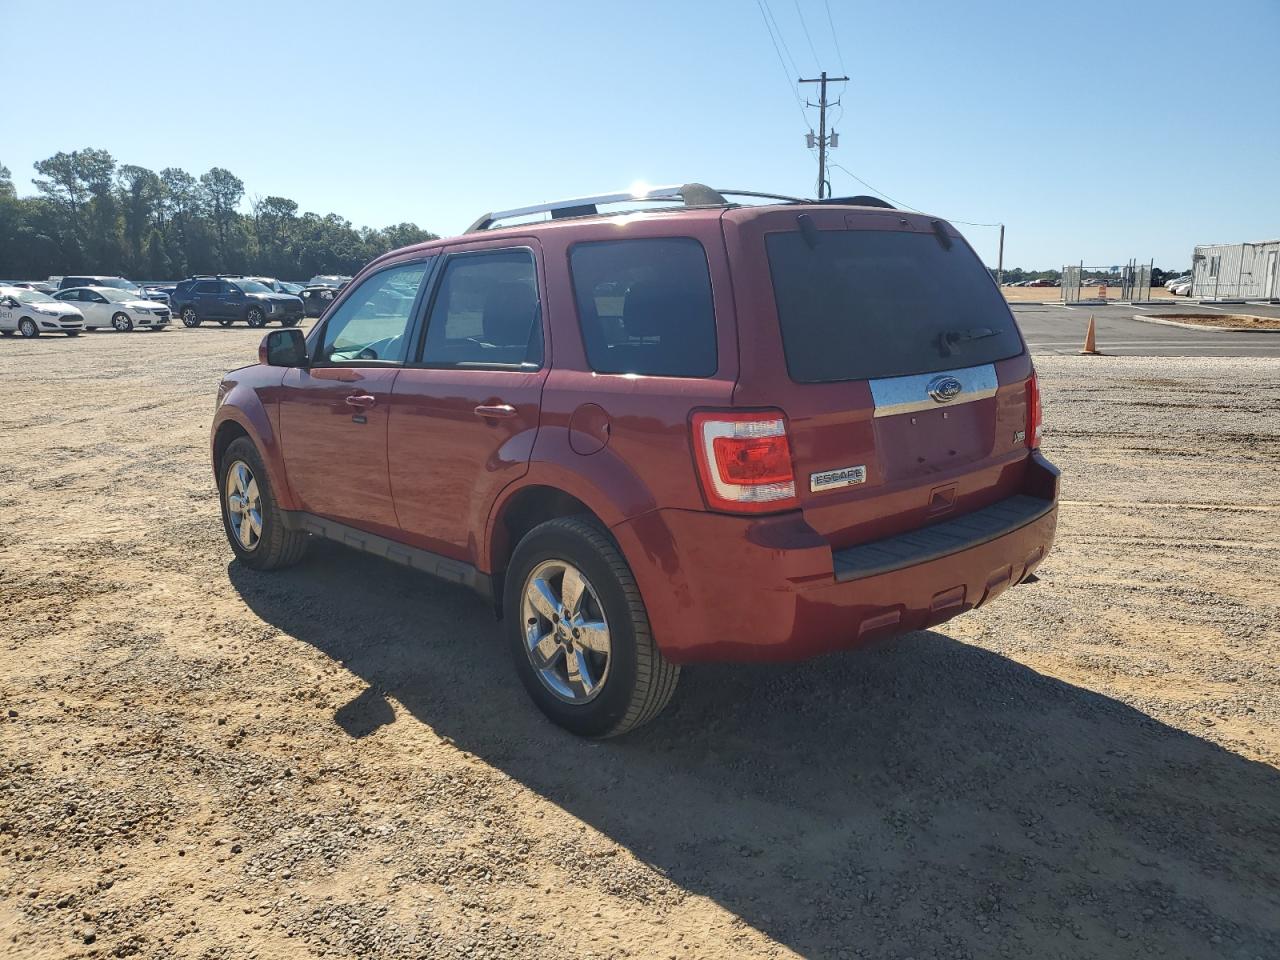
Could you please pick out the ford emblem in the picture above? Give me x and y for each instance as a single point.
(945, 388)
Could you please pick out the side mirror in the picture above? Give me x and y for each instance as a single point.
(283, 348)
(9, 302)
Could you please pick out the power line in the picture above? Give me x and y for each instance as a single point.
(899, 203)
(805, 28)
(782, 63)
(768, 10)
(823, 141)
(834, 38)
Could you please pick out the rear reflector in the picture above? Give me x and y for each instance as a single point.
(744, 460)
(1034, 415)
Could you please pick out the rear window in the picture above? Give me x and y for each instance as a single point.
(645, 306)
(864, 304)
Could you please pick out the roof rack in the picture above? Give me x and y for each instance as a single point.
(690, 194)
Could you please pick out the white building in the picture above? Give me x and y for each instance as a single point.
(1237, 271)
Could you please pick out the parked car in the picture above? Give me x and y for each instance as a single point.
(1182, 289)
(112, 307)
(279, 286)
(319, 293)
(1177, 281)
(1041, 282)
(710, 433)
(228, 299)
(30, 313)
(119, 283)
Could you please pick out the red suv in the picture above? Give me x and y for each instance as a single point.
(701, 431)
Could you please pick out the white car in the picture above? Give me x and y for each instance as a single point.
(1182, 289)
(31, 313)
(109, 307)
(1177, 281)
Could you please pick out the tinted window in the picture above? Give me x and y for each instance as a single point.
(486, 312)
(870, 303)
(645, 307)
(205, 286)
(372, 323)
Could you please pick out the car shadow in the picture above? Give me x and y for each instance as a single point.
(924, 797)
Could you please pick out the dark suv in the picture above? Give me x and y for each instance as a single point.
(228, 299)
(702, 433)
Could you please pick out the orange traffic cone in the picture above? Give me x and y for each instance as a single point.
(1090, 347)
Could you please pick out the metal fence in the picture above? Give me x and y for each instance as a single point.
(1130, 282)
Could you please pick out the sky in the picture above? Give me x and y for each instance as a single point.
(1136, 130)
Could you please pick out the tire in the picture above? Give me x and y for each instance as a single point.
(255, 317)
(225, 322)
(635, 681)
(122, 322)
(289, 322)
(276, 546)
(27, 328)
(6, 333)
(189, 318)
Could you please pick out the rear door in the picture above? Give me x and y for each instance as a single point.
(334, 413)
(896, 360)
(464, 416)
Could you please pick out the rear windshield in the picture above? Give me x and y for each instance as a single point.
(864, 304)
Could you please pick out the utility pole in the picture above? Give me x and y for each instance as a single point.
(1000, 262)
(823, 140)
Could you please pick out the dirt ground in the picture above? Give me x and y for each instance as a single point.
(1236, 320)
(199, 761)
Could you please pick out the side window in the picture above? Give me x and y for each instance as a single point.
(645, 306)
(486, 312)
(373, 322)
(205, 286)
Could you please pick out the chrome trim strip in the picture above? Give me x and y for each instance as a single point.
(910, 394)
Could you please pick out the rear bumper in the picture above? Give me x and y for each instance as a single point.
(723, 588)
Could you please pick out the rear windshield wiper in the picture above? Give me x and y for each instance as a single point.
(949, 338)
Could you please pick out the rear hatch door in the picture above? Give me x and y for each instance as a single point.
(885, 341)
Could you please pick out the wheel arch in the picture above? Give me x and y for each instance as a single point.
(242, 414)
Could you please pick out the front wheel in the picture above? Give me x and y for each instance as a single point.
(289, 322)
(189, 318)
(27, 328)
(122, 322)
(579, 633)
(255, 317)
(250, 518)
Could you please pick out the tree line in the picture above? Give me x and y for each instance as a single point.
(92, 215)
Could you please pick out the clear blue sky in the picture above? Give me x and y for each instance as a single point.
(1137, 130)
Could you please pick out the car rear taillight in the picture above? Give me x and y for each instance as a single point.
(1034, 416)
(744, 460)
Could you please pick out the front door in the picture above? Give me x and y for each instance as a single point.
(333, 414)
(464, 417)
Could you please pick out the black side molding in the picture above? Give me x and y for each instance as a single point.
(435, 564)
(939, 540)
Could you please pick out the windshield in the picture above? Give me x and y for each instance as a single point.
(116, 283)
(117, 296)
(33, 296)
(291, 287)
(860, 304)
(252, 286)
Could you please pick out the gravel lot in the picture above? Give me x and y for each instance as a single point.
(200, 761)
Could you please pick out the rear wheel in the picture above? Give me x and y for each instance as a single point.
(189, 318)
(255, 317)
(289, 322)
(122, 322)
(253, 523)
(27, 327)
(579, 633)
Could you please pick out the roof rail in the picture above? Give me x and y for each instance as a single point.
(691, 194)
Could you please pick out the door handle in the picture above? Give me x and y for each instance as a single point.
(495, 410)
(362, 400)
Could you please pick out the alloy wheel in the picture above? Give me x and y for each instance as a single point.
(28, 328)
(189, 318)
(565, 630)
(244, 505)
(122, 322)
